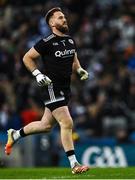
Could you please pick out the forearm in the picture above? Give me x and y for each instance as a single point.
(76, 65)
(77, 68)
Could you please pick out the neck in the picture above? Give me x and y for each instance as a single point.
(57, 32)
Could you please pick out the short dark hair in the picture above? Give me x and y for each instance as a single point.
(50, 13)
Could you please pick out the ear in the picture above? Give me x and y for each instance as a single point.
(51, 22)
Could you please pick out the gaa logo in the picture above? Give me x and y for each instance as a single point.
(104, 156)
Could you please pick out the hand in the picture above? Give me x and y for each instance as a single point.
(42, 80)
(83, 74)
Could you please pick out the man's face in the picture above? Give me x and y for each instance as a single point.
(59, 21)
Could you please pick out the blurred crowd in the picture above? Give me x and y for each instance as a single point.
(104, 31)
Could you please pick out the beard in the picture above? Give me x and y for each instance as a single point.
(62, 28)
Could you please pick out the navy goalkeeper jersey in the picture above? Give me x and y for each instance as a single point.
(57, 53)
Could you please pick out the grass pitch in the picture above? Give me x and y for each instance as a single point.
(65, 173)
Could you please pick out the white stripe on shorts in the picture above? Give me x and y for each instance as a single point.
(51, 92)
(56, 100)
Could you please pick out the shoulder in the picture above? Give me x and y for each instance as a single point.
(44, 41)
(69, 37)
(48, 38)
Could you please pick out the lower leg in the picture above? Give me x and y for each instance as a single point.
(66, 137)
(32, 128)
(66, 124)
(36, 127)
(67, 142)
(45, 125)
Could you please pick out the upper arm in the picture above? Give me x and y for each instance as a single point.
(40, 48)
(32, 54)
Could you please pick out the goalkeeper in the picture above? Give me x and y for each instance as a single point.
(58, 52)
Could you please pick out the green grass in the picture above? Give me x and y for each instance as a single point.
(65, 173)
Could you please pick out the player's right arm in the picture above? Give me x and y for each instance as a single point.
(29, 61)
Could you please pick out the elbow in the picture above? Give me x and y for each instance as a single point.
(24, 58)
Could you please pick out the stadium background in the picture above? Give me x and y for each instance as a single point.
(103, 108)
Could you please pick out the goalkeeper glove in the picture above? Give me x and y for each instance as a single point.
(83, 74)
(41, 79)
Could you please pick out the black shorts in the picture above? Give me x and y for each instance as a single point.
(55, 97)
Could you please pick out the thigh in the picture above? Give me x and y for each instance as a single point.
(62, 115)
(48, 118)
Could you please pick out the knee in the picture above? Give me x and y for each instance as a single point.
(46, 127)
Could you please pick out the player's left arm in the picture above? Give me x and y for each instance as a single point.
(77, 68)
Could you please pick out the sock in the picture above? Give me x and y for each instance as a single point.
(22, 133)
(72, 158)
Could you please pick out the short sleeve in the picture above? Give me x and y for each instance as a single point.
(74, 45)
(41, 47)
